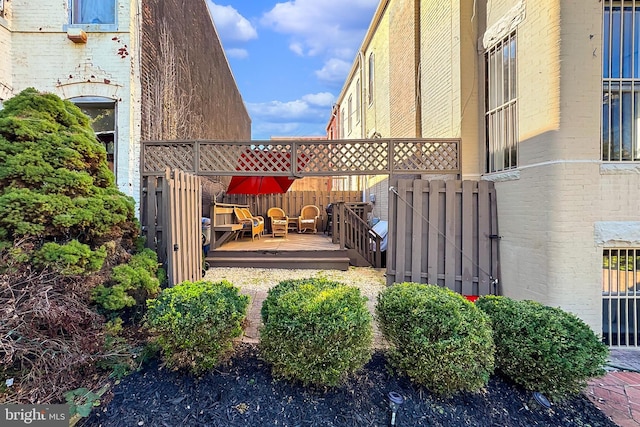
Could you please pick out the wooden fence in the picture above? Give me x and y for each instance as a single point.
(445, 233)
(292, 202)
(171, 216)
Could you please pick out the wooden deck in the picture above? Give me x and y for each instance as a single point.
(294, 251)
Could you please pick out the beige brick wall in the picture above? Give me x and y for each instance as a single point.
(402, 69)
(377, 113)
(547, 216)
(440, 65)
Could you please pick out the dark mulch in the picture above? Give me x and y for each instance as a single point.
(243, 393)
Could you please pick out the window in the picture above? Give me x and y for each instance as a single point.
(93, 12)
(101, 111)
(501, 105)
(621, 81)
(371, 70)
(350, 109)
(358, 92)
(620, 289)
(342, 117)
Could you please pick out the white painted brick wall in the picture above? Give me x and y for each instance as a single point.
(43, 57)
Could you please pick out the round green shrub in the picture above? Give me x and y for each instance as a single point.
(55, 182)
(436, 337)
(131, 284)
(315, 331)
(196, 323)
(543, 348)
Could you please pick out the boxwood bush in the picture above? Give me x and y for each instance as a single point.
(315, 331)
(196, 322)
(543, 348)
(436, 337)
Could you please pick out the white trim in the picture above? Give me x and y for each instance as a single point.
(617, 234)
(505, 25)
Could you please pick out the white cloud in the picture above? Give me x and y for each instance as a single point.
(231, 25)
(334, 70)
(317, 28)
(237, 53)
(322, 99)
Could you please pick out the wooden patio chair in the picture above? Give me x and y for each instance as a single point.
(249, 223)
(278, 221)
(308, 219)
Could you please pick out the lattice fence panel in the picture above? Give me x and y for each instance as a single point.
(357, 157)
(425, 156)
(171, 155)
(220, 157)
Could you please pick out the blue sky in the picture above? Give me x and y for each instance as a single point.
(290, 59)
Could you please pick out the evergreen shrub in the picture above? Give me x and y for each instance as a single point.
(196, 322)
(436, 337)
(315, 331)
(542, 348)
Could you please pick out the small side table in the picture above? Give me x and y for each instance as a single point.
(292, 223)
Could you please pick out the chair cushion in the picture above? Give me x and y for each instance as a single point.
(307, 221)
(279, 221)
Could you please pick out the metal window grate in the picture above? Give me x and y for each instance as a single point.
(620, 297)
(620, 81)
(501, 105)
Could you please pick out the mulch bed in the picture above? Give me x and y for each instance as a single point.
(243, 393)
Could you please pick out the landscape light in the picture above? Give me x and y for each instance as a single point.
(541, 400)
(395, 400)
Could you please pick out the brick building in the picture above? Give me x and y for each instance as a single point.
(148, 69)
(545, 98)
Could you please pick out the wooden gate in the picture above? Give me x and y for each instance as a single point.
(445, 233)
(171, 213)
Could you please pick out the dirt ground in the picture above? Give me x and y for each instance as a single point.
(243, 393)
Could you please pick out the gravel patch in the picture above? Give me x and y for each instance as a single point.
(256, 282)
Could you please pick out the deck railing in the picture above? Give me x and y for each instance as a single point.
(351, 231)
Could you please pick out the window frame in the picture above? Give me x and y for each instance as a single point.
(371, 75)
(91, 27)
(84, 102)
(620, 119)
(350, 115)
(358, 94)
(501, 104)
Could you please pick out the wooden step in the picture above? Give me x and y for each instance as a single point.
(335, 262)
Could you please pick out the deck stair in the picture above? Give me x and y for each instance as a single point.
(311, 259)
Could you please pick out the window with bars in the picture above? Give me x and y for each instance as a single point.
(501, 105)
(620, 294)
(621, 81)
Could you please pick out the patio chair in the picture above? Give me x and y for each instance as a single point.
(260, 219)
(249, 223)
(279, 222)
(308, 219)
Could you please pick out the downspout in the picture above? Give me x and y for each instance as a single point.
(363, 124)
(417, 33)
